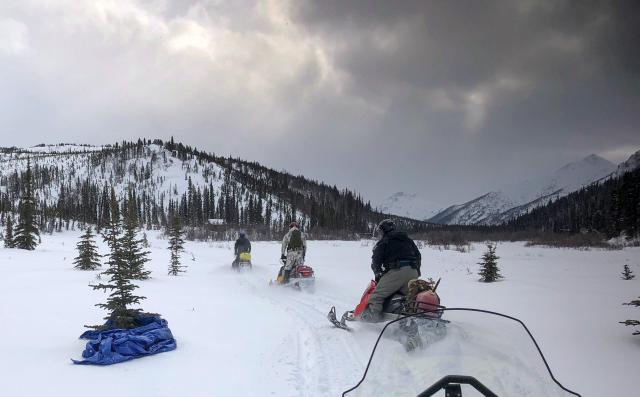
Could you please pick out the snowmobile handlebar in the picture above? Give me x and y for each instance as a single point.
(451, 385)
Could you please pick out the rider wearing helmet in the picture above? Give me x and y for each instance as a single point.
(294, 249)
(242, 245)
(396, 260)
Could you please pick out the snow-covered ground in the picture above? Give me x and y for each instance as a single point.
(238, 336)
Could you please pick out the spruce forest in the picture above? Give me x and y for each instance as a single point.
(213, 196)
(611, 208)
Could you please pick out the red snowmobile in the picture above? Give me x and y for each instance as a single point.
(476, 349)
(427, 303)
(302, 277)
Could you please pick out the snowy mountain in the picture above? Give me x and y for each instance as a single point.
(632, 163)
(72, 183)
(515, 199)
(409, 205)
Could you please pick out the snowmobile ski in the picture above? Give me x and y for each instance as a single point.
(342, 324)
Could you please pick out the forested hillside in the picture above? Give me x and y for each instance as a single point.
(611, 207)
(215, 196)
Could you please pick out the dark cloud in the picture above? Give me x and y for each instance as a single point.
(552, 80)
(448, 99)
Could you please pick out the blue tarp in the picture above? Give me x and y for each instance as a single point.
(117, 345)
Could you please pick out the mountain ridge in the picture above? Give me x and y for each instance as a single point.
(515, 199)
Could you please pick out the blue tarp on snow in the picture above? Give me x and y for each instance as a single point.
(117, 345)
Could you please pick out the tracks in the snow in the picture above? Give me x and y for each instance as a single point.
(328, 362)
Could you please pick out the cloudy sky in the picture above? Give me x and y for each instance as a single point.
(447, 99)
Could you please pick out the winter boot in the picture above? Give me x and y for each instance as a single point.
(369, 316)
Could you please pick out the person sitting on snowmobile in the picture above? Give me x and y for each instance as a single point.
(242, 245)
(294, 249)
(396, 260)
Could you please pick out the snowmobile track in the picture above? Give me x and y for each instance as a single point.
(325, 361)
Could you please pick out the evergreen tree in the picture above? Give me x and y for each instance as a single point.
(134, 255)
(121, 315)
(176, 245)
(633, 323)
(26, 230)
(88, 257)
(8, 234)
(627, 274)
(489, 271)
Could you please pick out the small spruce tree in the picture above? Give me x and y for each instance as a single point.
(88, 257)
(489, 271)
(121, 315)
(627, 274)
(633, 323)
(26, 231)
(176, 245)
(134, 255)
(8, 233)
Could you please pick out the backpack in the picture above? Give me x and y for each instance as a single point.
(295, 240)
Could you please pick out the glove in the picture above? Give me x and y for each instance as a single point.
(283, 257)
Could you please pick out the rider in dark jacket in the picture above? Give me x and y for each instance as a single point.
(242, 245)
(396, 260)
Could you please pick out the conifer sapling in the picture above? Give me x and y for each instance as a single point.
(88, 257)
(26, 232)
(176, 245)
(489, 271)
(121, 315)
(134, 255)
(627, 274)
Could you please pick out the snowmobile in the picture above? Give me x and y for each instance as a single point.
(484, 353)
(302, 277)
(426, 303)
(243, 262)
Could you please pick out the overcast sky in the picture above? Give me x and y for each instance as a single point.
(447, 99)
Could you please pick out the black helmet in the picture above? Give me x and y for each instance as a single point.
(385, 226)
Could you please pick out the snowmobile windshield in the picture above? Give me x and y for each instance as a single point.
(415, 353)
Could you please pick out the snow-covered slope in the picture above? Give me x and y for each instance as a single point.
(73, 183)
(154, 170)
(632, 163)
(409, 205)
(511, 200)
(237, 336)
(151, 171)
